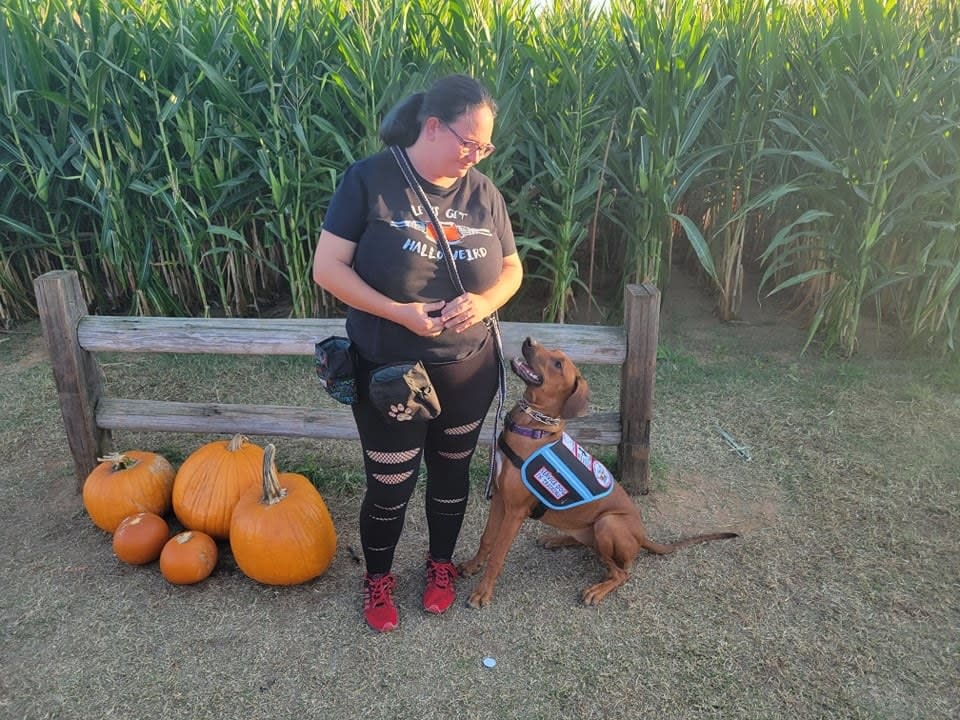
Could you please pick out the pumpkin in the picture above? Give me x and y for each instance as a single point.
(211, 480)
(124, 484)
(282, 533)
(139, 538)
(188, 557)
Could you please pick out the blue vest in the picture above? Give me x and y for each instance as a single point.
(563, 475)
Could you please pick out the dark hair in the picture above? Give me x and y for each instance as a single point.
(447, 99)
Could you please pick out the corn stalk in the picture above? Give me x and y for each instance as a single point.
(738, 191)
(867, 129)
(668, 80)
(566, 132)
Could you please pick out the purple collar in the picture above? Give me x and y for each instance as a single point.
(533, 433)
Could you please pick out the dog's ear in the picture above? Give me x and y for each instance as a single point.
(576, 404)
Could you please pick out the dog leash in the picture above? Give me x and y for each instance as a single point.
(492, 321)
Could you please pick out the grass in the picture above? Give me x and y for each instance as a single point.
(838, 601)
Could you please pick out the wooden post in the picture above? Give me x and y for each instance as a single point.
(78, 377)
(641, 323)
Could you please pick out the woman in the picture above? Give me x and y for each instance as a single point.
(377, 253)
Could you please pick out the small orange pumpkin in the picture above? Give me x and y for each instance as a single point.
(140, 538)
(211, 480)
(188, 557)
(124, 484)
(282, 534)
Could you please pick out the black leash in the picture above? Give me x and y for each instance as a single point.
(492, 322)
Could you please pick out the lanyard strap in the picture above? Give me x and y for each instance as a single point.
(492, 322)
(404, 162)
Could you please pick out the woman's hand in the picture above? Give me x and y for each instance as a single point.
(465, 311)
(422, 319)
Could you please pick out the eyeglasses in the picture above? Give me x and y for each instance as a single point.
(468, 147)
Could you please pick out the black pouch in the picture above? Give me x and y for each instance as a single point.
(336, 365)
(403, 391)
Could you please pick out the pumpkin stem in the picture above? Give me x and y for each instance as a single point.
(118, 460)
(236, 442)
(272, 492)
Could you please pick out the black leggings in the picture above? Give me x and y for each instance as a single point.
(392, 453)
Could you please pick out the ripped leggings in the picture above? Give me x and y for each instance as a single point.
(392, 454)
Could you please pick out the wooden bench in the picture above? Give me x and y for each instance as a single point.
(74, 337)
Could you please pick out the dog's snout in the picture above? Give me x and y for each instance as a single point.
(529, 348)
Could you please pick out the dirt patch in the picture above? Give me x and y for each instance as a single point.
(689, 310)
(23, 348)
(768, 324)
(693, 504)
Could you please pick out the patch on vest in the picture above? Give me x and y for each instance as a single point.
(563, 475)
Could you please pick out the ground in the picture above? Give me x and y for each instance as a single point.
(839, 600)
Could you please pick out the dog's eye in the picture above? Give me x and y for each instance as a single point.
(558, 364)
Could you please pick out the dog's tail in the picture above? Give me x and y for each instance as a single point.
(666, 549)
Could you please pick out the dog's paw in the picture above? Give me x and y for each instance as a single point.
(594, 594)
(591, 596)
(479, 599)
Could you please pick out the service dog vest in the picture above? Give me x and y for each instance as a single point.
(562, 475)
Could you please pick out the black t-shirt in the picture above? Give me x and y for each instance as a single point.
(397, 255)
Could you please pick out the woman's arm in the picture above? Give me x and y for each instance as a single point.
(333, 271)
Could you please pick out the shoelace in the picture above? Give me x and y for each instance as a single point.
(441, 574)
(378, 591)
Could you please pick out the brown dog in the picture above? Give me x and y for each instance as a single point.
(611, 525)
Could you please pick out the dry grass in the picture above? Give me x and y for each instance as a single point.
(839, 601)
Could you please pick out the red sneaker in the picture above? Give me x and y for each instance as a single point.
(378, 608)
(440, 592)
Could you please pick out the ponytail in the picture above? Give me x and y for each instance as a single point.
(401, 126)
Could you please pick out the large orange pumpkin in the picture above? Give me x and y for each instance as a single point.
(282, 533)
(139, 538)
(211, 480)
(124, 484)
(188, 557)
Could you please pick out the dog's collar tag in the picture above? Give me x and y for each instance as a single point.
(563, 475)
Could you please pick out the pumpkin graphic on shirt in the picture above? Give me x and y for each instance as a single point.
(451, 231)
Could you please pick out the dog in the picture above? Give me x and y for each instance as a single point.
(611, 525)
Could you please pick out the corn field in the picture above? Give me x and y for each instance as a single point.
(180, 154)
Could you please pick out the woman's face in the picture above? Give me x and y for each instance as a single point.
(463, 142)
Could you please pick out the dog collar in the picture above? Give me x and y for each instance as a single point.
(536, 414)
(533, 433)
